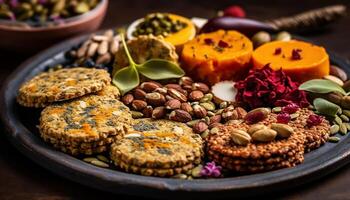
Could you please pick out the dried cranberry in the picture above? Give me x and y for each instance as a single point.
(296, 54)
(223, 44)
(283, 118)
(314, 120)
(265, 87)
(278, 51)
(234, 11)
(208, 41)
(290, 108)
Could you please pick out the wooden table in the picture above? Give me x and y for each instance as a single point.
(20, 178)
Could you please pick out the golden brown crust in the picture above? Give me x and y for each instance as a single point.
(60, 85)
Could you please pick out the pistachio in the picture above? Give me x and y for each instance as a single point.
(196, 172)
(215, 119)
(138, 104)
(128, 99)
(207, 97)
(200, 127)
(334, 129)
(209, 106)
(147, 112)
(255, 128)
(214, 130)
(186, 107)
(192, 122)
(241, 112)
(294, 116)
(149, 86)
(223, 104)
(177, 95)
(234, 122)
(283, 130)
(276, 109)
(199, 111)
(200, 86)
(139, 94)
(240, 137)
(257, 115)
(264, 135)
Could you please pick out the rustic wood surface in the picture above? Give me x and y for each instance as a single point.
(20, 178)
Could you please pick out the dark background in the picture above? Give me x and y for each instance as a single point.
(20, 178)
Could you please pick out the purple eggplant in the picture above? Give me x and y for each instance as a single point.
(246, 26)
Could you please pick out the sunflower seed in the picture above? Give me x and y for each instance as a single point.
(99, 163)
(333, 139)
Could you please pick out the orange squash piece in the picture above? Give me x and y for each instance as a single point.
(300, 60)
(184, 35)
(217, 56)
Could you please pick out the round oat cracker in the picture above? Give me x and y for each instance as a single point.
(60, 85)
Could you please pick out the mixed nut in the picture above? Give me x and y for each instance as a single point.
(37, 13)
(185, 101)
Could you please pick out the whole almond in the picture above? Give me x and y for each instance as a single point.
(200, 127)
(149, 86)
(173, 104)
(196, 95)
(334, 79)
(185, 80)
(199, 111)
(200, 86)
(139, 94)
(173, 86)
(155, 99)
(177, 95)
(158, 112)
(103, 48)
(147, 112)
(105, 58)
(139, 104)
(180, 116)
(127, 99)
(186, 107)
(338, 72)
(161, 90)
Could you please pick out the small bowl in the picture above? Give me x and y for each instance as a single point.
(25, 39)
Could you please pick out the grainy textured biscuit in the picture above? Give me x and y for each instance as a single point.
(257, 157)
(157, 144)
(89, 122)
(60, 85)
(110, 91)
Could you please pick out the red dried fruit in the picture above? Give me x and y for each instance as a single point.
(208, 41)
(223, 44)
(296, 54)
(314, 120)
(234, 11)
(278, 51)
(290, 108)
(283, 118)
(265, 87)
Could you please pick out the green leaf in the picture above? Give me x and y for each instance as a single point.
(321, 86)
(126, 79)
(326, 107)
(157, 69)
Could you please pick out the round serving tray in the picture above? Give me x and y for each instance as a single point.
(20, 124)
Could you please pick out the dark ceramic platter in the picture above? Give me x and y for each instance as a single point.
(21, 131)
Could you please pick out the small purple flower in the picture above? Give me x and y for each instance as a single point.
(210, 170)
(283, 118)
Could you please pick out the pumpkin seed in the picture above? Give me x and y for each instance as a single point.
(205, 133)
(333, 139)
(99, 163)
(89, 159)
(103, 158)
(180, 176)
(342, 129)
(344, 118)
(338, 120)
(334, 129)
(346, 112)
(136, 114)
(294, 116)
